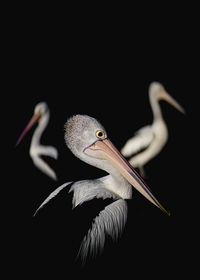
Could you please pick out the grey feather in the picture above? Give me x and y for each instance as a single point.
(53, 194)
(89, 189)
(111, 222)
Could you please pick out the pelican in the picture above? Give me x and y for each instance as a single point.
(41, 115)
(88, 140)
(150, 140)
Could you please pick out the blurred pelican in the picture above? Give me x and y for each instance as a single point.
(151, 139)
(41, 115)
(87, 139)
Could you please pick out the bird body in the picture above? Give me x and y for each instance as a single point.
(88, 140)
(150, 140)
(41, 115)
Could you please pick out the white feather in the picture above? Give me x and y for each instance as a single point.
(53, 194)
(111, 222)
(44, 167)
(89, 189)
(139, 141)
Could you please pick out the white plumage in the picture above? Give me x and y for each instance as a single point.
(110, 221)
(88, 140)
(150, 140)
(41, 115)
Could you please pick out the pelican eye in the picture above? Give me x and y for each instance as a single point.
(100, 134)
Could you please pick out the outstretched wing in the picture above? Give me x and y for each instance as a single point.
(53, 194)
(141, 140)
(110, 221)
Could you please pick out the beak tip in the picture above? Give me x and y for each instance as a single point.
(17, 143)
(167, 212)
(183, 111)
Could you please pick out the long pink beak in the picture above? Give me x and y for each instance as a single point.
(31, 123)
(107, 150)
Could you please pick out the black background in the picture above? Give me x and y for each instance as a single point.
(104, 75)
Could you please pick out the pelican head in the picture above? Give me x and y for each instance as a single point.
(81, 132)
(41, 109)
(157, 91)
(88, 140)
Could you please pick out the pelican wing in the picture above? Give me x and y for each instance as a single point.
(44, 167)
(111, 222)
(49, 151)
(89, 189)
(53, 194)
(141, 140)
